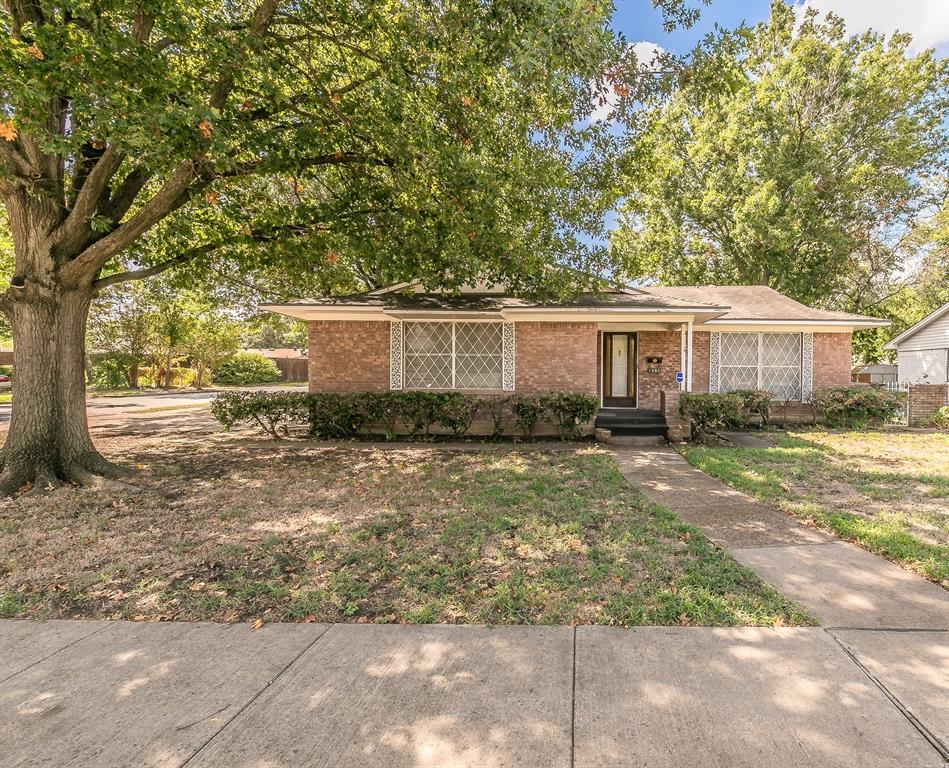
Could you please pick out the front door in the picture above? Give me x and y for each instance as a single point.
(619, 370)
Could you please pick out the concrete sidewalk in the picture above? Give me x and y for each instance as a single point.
(892, 622)
(127, 694)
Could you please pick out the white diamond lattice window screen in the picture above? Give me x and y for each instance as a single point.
(768, 361)
(453, 355)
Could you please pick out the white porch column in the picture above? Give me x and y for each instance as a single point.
(682, 356)
(688, 370)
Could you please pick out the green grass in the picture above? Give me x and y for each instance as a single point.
(361, 534)
(883, 494)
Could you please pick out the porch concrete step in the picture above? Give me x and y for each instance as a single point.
(636, 440)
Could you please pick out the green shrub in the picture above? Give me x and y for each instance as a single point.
(527, 412)
(707, 412)
(858, 406)
(245, 368)
(115, 370)
(345, 415)
(568, 412)
(273, 412)
(456, 411)
(497, 409)
(940, 419)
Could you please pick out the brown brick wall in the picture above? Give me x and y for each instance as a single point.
(701, 346)
(832, 360)
(924, 401)
(555, 357)
(349, 356)
(668, 346)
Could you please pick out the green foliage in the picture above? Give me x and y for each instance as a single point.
(940, 419)
(456, 412)
(711, 411)
(210, 341)
(115, 370)
(349, 143)
(708, 412)
(858, 406)
(527, 413)
(246, 368)
(274, 412)
(789, 157)
(569, 411)
(346, 415)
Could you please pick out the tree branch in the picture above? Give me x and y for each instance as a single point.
(73, 230)
(172, 195)
(263, 16)
(141, 274)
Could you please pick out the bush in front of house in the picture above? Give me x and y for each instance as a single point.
(568, 412)
(707, 412)
(345, 415)
(940, 419)
(858, 406)
(245, 368)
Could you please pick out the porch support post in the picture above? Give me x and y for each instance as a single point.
(688, 370)
(807, 367)
(682, 356)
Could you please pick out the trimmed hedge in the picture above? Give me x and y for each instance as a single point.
(707, 412)
(858, 406)
(346, 415)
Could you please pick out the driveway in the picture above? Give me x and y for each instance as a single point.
(80, 693)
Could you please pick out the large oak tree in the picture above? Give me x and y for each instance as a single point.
(359, 140)
(793, 156)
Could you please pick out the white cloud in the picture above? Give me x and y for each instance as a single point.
(926, 20)
(646, 53)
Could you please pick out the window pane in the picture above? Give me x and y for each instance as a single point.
(739, 361)
(427, 355)
(781, 364)
(478, 355)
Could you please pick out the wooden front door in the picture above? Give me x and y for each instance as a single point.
(619, 370)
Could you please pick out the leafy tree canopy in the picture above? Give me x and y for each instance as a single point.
(358, 141)
(798, 158)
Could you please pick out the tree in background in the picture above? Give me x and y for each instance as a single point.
(210, 339)
(795, 158)
(923, 289)
(432, 140)
(270, 331)
(122, 333)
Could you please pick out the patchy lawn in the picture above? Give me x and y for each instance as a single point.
(887, 491)
(226, 528)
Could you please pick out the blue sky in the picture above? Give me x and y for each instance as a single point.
(926, 20)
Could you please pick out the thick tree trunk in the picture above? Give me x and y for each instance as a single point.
(48, 440)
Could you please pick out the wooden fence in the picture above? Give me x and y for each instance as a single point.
(292, 368)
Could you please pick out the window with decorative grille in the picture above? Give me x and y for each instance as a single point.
(453, 355)
(768, 361)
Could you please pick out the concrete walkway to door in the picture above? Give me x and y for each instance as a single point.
(894, 623)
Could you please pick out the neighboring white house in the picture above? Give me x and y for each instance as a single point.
(922, 352)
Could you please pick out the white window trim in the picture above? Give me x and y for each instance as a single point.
(806, 368)
(506, 358)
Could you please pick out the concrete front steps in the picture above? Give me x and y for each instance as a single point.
(631, 426)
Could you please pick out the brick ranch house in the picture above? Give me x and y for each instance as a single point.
(625, 346)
